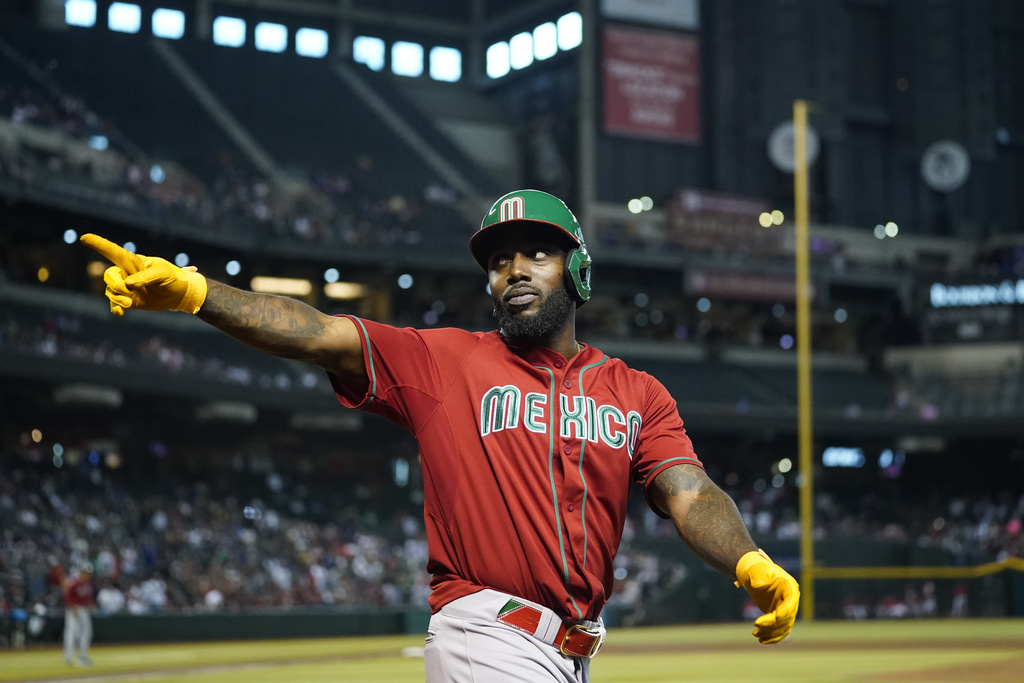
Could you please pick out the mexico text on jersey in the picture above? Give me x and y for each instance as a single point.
(578, 417)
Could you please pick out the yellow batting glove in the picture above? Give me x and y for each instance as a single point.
(775, 592)
(147, 283)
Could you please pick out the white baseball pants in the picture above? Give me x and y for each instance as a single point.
(77, 633)
(466, 644)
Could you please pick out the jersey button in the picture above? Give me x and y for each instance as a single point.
(570, 507)
(559, 363)
(567, 384)
(567, 449)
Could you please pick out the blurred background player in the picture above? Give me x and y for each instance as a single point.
(78, 605)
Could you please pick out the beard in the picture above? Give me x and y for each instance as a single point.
(549, 317)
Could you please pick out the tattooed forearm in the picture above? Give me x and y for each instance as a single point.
(714, 531)
(681, 480)
(277, 325)
(705, 516)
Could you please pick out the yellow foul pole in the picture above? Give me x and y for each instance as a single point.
(803, 354)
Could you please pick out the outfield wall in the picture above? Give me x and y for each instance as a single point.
(293, 623)
(706, 596)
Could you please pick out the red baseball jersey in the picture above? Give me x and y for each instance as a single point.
(527, 458)
(78, 593)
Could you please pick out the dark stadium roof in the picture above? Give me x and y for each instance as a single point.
(450, 10)
(432, 14)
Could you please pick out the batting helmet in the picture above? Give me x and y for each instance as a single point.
(543, 209)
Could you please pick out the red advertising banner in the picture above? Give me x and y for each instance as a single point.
(651, 84)
(743, 285)
(698, 220)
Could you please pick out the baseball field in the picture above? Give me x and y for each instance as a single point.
(940, 651)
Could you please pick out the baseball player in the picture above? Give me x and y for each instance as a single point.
(529, 442)
(78, 604)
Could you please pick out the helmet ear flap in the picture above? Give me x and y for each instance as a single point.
(577, 274)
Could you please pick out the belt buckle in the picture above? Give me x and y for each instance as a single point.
(596, 634)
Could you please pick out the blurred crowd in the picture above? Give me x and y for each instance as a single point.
(53, 334)
(80, 337)
(190, 547)
(139, 347)
(267, 540)
(52, 141)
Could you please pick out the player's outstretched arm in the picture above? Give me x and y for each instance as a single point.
(276, 325)
(710, 524)
(704, 515)
(287, 328)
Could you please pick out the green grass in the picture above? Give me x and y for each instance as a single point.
(950, 651)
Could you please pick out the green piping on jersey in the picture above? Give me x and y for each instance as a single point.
(583, 445)
(554, 489)
(369, 354)
(692, 461)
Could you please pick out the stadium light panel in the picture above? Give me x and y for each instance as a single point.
(369, 51)
(124, 18)
(281, 285)
(836, 456)
(521, 50)
(406, 59)
(229, 31)
(80, 13)
(345, 290)
(445, 64)
(570, 30)
(270, 37)
(168, 23)
(498, 60)
(545, 40)
(311, 42)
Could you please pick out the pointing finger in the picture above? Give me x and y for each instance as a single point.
(113, 252)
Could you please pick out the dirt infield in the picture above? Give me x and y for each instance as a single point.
(1002, 671)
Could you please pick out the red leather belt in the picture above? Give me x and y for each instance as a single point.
(576, 640)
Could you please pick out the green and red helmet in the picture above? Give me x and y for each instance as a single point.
(538, 208)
